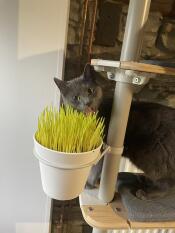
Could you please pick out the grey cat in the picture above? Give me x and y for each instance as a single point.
(150, 135)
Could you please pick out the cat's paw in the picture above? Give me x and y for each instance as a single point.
(141, 194)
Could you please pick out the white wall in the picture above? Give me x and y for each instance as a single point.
(26, 86)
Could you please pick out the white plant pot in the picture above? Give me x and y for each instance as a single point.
(64, 175)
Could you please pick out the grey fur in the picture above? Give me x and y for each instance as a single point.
(150, 135)
(81, 93)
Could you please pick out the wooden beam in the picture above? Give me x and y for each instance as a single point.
(150, 225)
(130, 65)
(114, 216)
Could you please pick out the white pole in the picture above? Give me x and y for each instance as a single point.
(136, 19)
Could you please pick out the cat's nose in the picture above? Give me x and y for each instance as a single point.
(89, 110)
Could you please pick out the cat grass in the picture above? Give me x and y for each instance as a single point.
(68, 130)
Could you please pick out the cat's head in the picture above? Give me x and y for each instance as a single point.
(82, 93)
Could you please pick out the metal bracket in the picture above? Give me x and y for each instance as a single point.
(114, 72)
(128, 76)
(90, 197)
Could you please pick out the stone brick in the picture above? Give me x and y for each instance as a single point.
(166, 37)
(73, 36)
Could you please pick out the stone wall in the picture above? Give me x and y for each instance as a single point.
(158, 44)
(159, 31)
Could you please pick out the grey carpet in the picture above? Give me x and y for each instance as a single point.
(159, 209)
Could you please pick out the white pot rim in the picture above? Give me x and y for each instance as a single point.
(67, 153)
(65, 167)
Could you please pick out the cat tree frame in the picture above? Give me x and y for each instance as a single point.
(97, 208)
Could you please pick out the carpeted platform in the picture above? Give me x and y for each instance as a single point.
(159, 209)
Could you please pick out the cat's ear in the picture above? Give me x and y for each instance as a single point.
(88, 72)
(62, 85)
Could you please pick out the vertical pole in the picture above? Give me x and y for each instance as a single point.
(132, 43)
(136, 19)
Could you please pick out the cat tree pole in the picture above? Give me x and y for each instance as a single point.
(136, 19)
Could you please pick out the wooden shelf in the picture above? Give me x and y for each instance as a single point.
(113, 215)
(131, 65)
(143, 67)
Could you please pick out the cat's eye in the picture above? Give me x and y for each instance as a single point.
(77, 98)
(90, 91)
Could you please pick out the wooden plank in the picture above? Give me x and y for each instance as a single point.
(130, 65)
(137, 66)
(103, 217)
(114, 216)
(149, 225)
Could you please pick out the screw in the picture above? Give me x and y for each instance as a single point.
(118, 209)
(110, 75)
(136, 80)
(90, 209)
